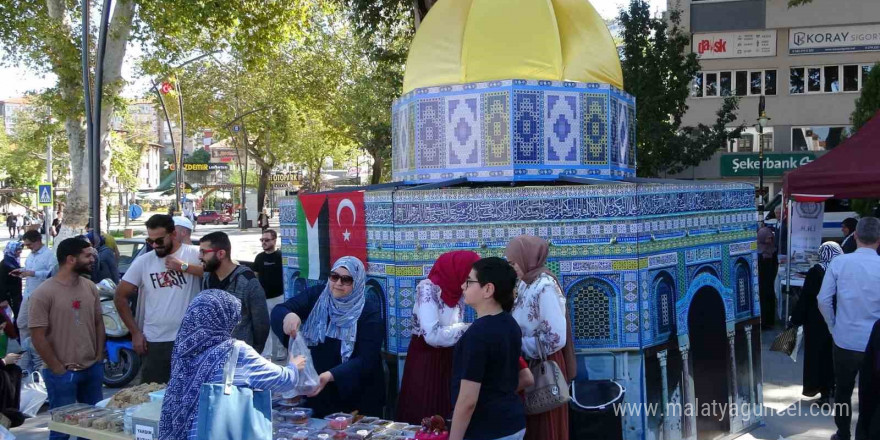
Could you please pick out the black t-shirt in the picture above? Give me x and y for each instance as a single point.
(488, 353)
(270, 271)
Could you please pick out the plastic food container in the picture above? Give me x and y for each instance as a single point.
(86, 420)
(412, 428)
(157, 396)
(299, 416)
(300, 433)
(357, 432)
(339, 421)
(398, 426)
(289, 403)
(74, 417)
(110, 423)
(368, 420)
(58, 414)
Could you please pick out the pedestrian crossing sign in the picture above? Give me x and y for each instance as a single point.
(44, 193)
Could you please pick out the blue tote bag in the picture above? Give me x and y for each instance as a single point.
(228, 412)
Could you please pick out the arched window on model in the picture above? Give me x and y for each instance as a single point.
(594, 306)
(743, 287)
(664, 293)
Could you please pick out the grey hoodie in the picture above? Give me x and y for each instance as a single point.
(244, 285)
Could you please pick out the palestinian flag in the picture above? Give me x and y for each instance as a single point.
(313, 236)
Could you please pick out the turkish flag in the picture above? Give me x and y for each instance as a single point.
(348, 226)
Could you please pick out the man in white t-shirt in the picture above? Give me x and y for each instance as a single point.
(166, 280)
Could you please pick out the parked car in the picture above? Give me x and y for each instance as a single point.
(213, 217)
(129, 248)
(836, 210)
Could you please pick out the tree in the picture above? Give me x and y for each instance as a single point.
(44, 35)
(868, 103)
(200, 155)
(23, 159)
(658, 69)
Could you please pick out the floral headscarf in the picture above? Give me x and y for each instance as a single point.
(202, 348)
(343, 313)
(10, 255)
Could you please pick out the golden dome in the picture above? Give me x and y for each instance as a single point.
(465, 41)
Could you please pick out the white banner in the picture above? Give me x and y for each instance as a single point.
(806, 230)
(834, 39)
(735, 44)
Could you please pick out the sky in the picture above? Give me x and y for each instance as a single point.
(16, 81)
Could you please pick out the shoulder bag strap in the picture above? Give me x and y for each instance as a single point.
(229, 369)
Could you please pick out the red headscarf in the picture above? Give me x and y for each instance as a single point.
(449, 273)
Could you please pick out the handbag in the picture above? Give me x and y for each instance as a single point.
(228, 412)
(785, 342)
(550, 390)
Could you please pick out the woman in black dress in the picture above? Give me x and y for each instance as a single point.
(818, 365)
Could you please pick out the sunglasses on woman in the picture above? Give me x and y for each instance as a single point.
(345, 279)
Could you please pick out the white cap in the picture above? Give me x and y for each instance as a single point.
(183, 221)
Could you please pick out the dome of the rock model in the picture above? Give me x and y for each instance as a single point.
(466, 41)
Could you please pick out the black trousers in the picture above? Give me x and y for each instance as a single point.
(156, 366)
(846, 366)
(767, 268)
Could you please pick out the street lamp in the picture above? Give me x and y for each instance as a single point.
(763, 121)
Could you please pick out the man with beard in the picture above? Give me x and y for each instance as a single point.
(67, 329)
(166, 281)
(269, 269)
(221, 273)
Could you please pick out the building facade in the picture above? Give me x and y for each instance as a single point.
(809, 62)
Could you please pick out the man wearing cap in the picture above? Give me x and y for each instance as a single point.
(183, 227)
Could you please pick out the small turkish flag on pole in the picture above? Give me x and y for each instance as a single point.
(166, 87)
(348, 226)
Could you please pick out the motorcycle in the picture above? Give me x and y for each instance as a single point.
(121, 363)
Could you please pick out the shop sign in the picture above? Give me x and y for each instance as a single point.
(735, 45)
(285, 179)
(859, 38)
(206, 166)
(775, 164)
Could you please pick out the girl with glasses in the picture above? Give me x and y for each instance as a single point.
(343, 328)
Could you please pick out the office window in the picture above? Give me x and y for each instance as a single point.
(742, 83)
(726, 83)
(814, 79)
(711, 84)
(697, 87)
(756, 83)
(746, 143)
(832, 79)
(749, 136)
(851, 78)
(818, 138)
(796, 81)
(770, 82)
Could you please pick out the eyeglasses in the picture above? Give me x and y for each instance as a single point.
(344, 279)
(467, 282)
(157, 242)
(203, 252)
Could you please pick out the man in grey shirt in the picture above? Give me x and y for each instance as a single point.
(221, 273)
(854, 280)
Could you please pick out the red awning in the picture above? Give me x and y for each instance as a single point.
(849, 171)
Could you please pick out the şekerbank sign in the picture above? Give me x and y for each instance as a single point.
(775, 164)
(834, 39)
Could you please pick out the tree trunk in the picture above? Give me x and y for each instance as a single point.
(420, 9)
(378, 163)
(265, 172)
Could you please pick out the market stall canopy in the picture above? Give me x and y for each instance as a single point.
(849, 171)
(466, 41)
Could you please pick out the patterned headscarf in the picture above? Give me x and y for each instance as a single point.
(827, 252)
(202, 348)
(342, 313)
(10, 259)
(449, 272)
(530, 254)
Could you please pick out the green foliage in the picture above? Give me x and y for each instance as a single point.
(23, 157)
(200, 156)
(657, 70)
(868, 103)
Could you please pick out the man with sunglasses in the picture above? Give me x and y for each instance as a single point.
(269, 270)
(222, 273)
(164, 292)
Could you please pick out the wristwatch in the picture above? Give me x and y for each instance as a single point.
(184, 266)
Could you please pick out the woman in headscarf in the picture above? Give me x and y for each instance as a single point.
(540, 312)
(818, 365)
(343, 328)
(437, 324)
(10, 283)
(105, 264)
(203, 346)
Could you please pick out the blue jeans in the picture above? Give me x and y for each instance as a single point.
(517, 436)
(74, 387)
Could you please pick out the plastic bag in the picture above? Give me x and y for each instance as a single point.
(307, 378)
(797, 343)
(33, 394)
